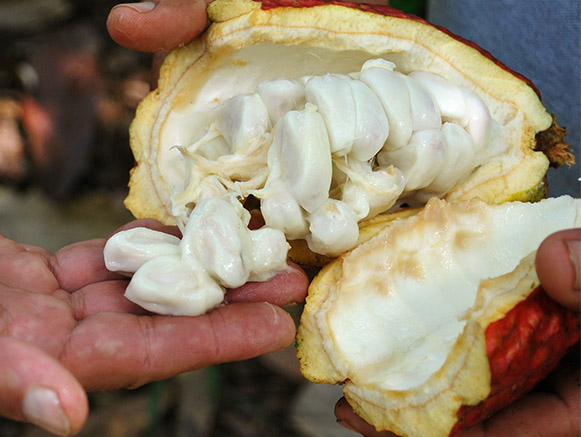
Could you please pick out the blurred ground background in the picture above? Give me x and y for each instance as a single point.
(67, 96)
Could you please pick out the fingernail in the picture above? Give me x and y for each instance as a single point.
(41, 407)
(140, 7)
(574, 247)
(274, 311)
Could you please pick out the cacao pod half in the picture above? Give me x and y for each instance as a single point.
(329, 114)
(438, 320)
(194, 137)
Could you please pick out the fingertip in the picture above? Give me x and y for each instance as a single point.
(558, 263)
(266, 328)
(140, 7)
(38, 389)
(340, 406)
(284, 324)
(156, 27)
(348, 419)
(286, 288)
(44, 408)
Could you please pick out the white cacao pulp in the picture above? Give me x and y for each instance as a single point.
(364, 140)
(188, 276)
(321, 153)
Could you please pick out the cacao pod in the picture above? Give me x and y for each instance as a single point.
(208, 127)
(438, 319)
(325, 115)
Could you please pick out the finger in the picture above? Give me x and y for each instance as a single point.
(112, 350)
(558, 263)
(8, 246)
(553, 413)
(107, 296)
(347, 418)
(157, 26)
(286, 288)
(36, 388)
(80, 264)
(28, 271)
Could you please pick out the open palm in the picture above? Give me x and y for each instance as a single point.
(65, 327)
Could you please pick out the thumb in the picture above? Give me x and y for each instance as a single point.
(157, 26)
(558, 263)
(36, 388)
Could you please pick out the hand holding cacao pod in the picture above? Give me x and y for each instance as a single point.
(557, 262)
(202, 79)
(67, 329)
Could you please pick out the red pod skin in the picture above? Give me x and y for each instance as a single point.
(522, 348)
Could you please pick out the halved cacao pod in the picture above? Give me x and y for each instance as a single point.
(438, 320)
(250, 42)
(187, 148)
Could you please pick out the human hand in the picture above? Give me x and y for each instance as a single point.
(65, 328)
(157, 26)
(553, 410)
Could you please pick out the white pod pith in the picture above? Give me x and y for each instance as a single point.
(368, 120)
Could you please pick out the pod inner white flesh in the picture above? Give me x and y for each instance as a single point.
(394, 315)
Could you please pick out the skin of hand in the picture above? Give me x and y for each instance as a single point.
(176, 22)
(552, 409)
(65, 328)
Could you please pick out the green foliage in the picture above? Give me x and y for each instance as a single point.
(416, 7)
